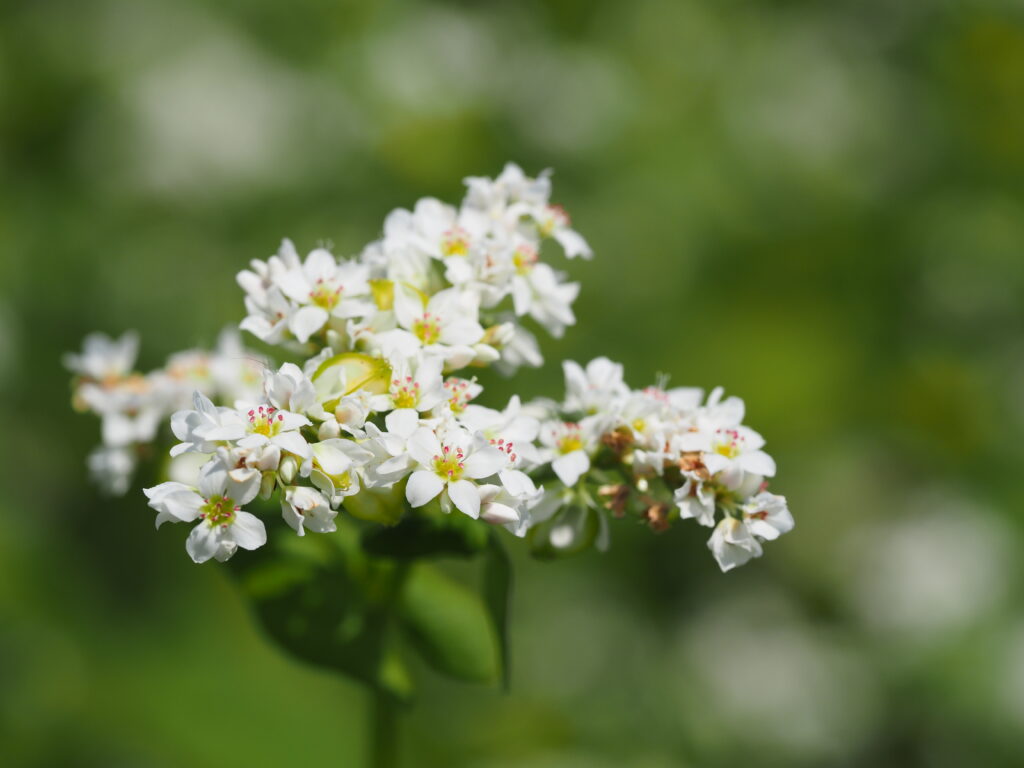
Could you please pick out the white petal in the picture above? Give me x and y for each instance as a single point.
(422, 487)
(465, 498)
(293, 442)
(402, 421)
(203, 543)
(571, 466)
(306, 322)
(248, 531)
(424, 446)
(484, 463)
(758, 462)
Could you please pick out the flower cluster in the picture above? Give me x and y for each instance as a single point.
(661, 454)
(132, 405)
(373, 406)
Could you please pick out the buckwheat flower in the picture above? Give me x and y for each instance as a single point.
(732, 544)
(289, 389)
(445, 325)
(217, 504)
(568, 445)
(512, 425)
(494, 196)
(459, 392)
(269, 310)
(499, 507)
(695, 498)
(521, 349)
(434, 229)
(395, 457)
(206, 427)
(594, 389)
(112, 468)
(449, 465)
(335, 467)
(735, 540)
(552, 221)
(266, 424)
(104, 359)
(305, 508)
(415, 384)
(538, 292)
(322, 288)
(737, 448)
(768, 516)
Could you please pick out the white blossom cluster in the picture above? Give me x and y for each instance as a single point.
(133, 405)
(373, 406)
(661, 454)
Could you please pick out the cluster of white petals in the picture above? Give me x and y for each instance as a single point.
(373, 405)
(132, 406)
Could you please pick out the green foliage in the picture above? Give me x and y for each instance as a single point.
(359, 600)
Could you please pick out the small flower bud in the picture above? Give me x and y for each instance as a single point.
(267, 485)
(288, 469)
(329, 429)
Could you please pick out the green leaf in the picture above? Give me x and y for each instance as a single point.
(428, 532)
(324, 602)
(498, 597)
(450, 626)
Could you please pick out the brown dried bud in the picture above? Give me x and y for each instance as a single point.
(617, 496)
(657, 517)
(619, 439)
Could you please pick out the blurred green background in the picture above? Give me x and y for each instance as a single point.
(819, 206)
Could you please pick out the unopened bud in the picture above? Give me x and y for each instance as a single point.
(329, 429)
(267, 485)
(289, 467)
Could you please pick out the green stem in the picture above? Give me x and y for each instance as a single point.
(384, 732)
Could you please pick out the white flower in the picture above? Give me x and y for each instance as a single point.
(733, 544)
(738, 448)
(104, 359)
(537, 291)
(768, 516)
(112, 468)
(445, 324)
(223, 525)
(450, 466)
(334, 467)
(417, 386)
(322, 288)
(511, 426)
(303, 508)
(500, 507)
(696, 499)
(267, 424)
(290, 390)
(553, 221)
(206, 427)
(268, 308)
(595, 389)
(735, 541)
(568, 448)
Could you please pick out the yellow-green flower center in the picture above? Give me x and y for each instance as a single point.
(448, 464)
(405, 393)
(455, 242)
(325, 295)
(427, 328)
(265, 420)
(218, 510)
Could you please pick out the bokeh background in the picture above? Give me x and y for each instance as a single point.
(819, 206)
